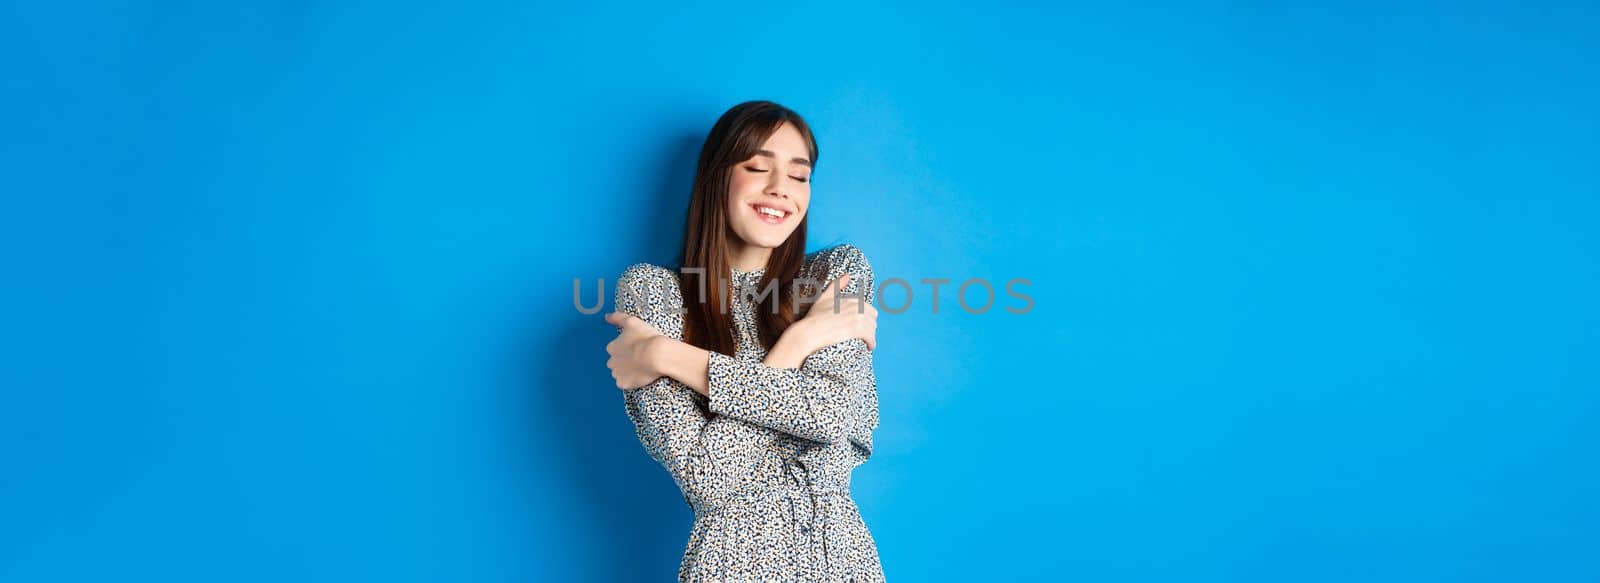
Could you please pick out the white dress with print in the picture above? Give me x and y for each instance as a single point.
(765, 461)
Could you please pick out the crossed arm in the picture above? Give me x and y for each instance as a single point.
(641, 353)
(810, 383)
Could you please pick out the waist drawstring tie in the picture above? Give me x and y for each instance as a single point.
(805, 506)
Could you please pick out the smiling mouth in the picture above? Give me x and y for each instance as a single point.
(770, 215)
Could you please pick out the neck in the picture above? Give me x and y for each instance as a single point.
(748, 257)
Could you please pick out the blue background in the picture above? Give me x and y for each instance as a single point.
(288, 285)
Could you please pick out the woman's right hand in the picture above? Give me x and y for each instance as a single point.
(833, 319)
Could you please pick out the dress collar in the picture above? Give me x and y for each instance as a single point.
(754, 274)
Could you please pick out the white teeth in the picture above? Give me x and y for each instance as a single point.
(769, 211)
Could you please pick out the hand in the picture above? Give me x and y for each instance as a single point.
(833, 319)
(631, 364)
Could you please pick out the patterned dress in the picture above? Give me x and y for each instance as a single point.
(765, 461)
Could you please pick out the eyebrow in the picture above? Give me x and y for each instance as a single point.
(796, 159)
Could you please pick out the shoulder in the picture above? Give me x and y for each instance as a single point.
(646, 274)
(644, 289)
(842, 255)
(831, 263)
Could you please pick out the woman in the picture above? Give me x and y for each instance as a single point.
(758, 405)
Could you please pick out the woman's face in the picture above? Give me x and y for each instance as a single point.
(769, 193)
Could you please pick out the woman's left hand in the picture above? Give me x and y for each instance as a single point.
(833, 318)
(631, 362)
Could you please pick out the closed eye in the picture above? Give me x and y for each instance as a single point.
(797, 178)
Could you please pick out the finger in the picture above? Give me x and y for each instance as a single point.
(838, 286)
(823, 298)
(825, 293)
(613, 318)
(843, 301)
(834, 286)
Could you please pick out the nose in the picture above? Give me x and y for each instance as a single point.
(775, 186)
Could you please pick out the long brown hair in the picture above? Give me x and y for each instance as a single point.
(736, 137)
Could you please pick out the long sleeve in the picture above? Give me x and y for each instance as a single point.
(830, 398)
(667, 415)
